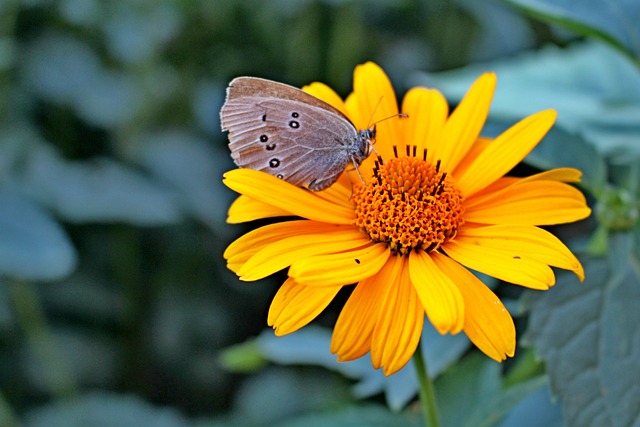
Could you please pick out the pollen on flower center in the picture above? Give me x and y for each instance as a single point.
(409, 204)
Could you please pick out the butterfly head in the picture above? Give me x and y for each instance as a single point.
(366, 139)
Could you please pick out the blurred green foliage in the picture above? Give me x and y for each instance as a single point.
(115, 303)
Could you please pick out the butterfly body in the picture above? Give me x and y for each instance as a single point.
(290, 134)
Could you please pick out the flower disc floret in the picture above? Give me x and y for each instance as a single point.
(409, 205)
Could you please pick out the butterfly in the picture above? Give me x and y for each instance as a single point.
(288, 133)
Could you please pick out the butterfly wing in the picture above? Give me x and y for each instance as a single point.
(262, 88)
(298, 141)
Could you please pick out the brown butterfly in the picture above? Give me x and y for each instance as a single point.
(281, 130)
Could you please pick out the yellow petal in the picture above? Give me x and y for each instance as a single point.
(558, 174)
(376, 100)
(282, 253)
(501, 264)
(427, 110)
(358, 117)
(325, 93)
(440, 297)
(518, 254)
(494, 187)
(505, 152)
(340, 192)
(340, 268)
(476, 149)
(268, 189)
(354, 328)
(399, 326)
(245, 209)
(243, 248)
(531, 242)
(530, 203)
(487, 322)
(466, 122)
(295, 305)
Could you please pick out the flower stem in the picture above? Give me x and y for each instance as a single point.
(427, 395)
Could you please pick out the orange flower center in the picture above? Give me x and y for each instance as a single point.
(409, 204)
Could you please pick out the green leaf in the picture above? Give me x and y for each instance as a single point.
(588, 336)
(562, 149)
(104, 410)
(526, 366)
(244, 357)
(101, 190)
(32, 245)
(364, 416)
(617, 209)
(504, 31)
(470, 383)
(191, 167)
(594, 89)
(624, 172)
(67, 71)
(536, 410)
(614, 21)
(277, 394)
(504, 402)
(311, 346)
(475, 384)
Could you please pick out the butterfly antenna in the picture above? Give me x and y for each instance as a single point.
(370, 125)
(373, 113)
(373, 126)
(401, 115)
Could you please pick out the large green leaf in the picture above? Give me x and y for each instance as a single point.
(563, 149)
(277, 394)
(615, 21)
(560, 148)
(97, 190)
(67, 71)
(311, 346)
(191, 167)
(102, 409)
(594, 89)
(32, 245)
(366, 416)
(588, 336)
(340, 416)
(536, 410)
(475, 384)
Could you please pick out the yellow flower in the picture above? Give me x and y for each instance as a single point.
(434, 204)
